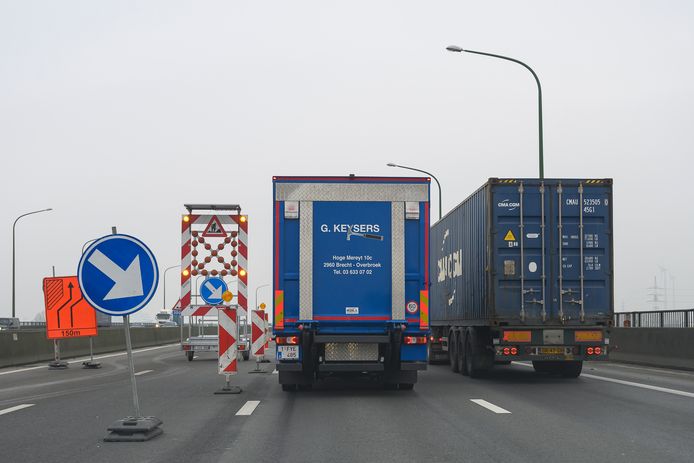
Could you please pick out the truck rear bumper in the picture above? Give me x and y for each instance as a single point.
(410, 366)
(293, 366)
(350, 366)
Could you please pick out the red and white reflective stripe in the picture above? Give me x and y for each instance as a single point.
(227, 342)
(257, 333)
(198, 310)
(266, 325)
(186, 259)
(242, 260)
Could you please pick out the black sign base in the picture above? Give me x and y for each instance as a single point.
(134, 429)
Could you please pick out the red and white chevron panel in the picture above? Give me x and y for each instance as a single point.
(242, 259)
(201, 310)
(258, 333)
(227, 342)
(266, 325)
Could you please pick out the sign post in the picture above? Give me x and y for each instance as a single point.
(118, 275)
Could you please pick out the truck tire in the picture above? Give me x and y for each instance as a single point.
(190, 354)
(453, 351)
(471, 354)
(571, 369)
(461, 354)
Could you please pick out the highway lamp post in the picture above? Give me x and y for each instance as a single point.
(14, 225)
(257, 306)
(457, 49)
(164, 286)
(390, 164)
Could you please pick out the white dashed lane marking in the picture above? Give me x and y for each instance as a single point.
(15, 408)
(143, 372)
(489, 406)
(248, 408)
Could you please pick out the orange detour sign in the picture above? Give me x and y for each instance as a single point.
(68, 314)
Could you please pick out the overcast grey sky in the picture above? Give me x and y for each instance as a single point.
(118, 112)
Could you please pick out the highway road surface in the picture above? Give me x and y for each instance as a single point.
(615, 413)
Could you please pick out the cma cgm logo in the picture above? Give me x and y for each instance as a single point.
(508, 204)
(450, 266)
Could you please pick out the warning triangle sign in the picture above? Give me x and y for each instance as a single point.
(214, 229)
(509, 236)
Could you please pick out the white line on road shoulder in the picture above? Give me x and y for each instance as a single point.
(248, 408)
(667, 390)
(15, 408)
(489, 406)
(143, 372)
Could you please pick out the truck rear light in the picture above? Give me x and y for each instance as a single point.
(597, 350)
(517, 336)
(589, 350)
(507, 350)
(287, 340)
(415, 340)
(514, 351)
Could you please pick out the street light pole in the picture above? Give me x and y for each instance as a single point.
(14, 225)
(457, 49)
(164, 289)
(390, 164)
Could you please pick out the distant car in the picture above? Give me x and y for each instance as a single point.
(9, 323)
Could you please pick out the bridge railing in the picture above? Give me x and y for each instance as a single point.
(656, 319)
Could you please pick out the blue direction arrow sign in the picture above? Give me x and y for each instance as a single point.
(118, 274)
(212, 289)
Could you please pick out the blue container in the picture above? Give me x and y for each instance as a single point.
(493, 265)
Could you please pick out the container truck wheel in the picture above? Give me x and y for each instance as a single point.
(571, 369)
(190, 354)
(461, 354)
(471, 355)
(453, 352)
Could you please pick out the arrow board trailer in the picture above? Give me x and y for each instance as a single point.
(350, 273)
(522, 270)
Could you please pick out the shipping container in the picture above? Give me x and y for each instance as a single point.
(523, 270)
(350, 278)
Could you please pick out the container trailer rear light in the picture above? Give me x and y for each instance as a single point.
(287, 340)
(507, 350)
(595, 350)
(409, 340)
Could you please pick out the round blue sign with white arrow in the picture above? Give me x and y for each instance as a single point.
(118, 274)
(212, 289)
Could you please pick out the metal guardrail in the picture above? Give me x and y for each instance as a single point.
(656, 319)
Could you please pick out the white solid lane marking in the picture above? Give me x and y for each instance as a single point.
(15, 408)
(143, 372)
(275, 372)
(248, 407)
(489, 406)
(80, 360)
(667, 390)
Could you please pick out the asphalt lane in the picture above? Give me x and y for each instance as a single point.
(63, 415)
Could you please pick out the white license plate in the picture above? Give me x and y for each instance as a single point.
(287, 352)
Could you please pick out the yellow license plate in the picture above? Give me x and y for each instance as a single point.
(552, 350)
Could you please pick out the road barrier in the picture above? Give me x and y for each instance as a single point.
(656, 319)
(661, 347)
(20, 347)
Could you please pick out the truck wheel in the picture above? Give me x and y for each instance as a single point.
(470, 355)
(571, 369)
(461, 354)
(190, 354)
(453, 352)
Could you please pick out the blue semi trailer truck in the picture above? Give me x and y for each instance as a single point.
(523, 270)
(350, 278)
